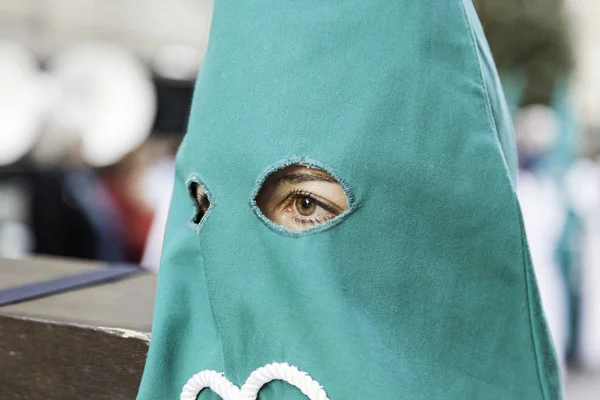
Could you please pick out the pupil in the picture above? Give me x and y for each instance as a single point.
(305, 206)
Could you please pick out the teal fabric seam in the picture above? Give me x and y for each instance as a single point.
(536, 345)
(488, 105)
(294, 160)
(194, 178)
(492, 122)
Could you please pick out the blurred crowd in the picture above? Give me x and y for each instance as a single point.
(88, 143)
(89, 130)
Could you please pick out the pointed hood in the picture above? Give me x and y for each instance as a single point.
(424, 289)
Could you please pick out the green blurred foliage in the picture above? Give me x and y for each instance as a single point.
(531, 36)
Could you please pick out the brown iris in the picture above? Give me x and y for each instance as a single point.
(305, 206)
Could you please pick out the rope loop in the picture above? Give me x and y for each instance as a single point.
(209, 380)
(258, 378)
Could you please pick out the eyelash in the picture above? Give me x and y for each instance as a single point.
(298, 193)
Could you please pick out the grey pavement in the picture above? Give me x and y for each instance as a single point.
(583, 386)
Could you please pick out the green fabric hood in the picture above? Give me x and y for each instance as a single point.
(424, 289)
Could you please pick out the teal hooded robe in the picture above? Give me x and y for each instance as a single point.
(423, 289)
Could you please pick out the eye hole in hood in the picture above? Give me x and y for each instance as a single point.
(299, 198)
(202, 201)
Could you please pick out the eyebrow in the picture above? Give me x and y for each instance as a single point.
(304, 177)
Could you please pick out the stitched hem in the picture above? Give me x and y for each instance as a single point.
(194, 178)
(529, 308)
(488, 105)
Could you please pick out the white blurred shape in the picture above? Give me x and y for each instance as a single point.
(544, 215)
(13, 203)
(583, 181)
(16, 239)
(536, 128)
(20, 104)
(177, 62)
(106, 98)
(160, 180)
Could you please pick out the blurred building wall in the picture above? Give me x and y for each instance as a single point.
(145, 26)
(585, 15)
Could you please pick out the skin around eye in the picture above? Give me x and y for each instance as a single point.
(299, 197)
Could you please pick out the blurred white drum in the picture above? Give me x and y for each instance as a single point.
(106, 99)
(21, 102)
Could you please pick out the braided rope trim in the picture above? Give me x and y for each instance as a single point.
(249, 391)
(209, 380)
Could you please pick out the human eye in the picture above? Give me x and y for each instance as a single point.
(308, 209)
(300, 197)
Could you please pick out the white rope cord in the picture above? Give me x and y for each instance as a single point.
(209, 380)
(284, 372)
(257, 379)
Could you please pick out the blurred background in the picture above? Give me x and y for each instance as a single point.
(94, 97)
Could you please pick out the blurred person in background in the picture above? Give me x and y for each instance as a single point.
(545, 216)
(81, 171)
(583, 180)
(90, 213)
(72, 212)
(124, 183)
